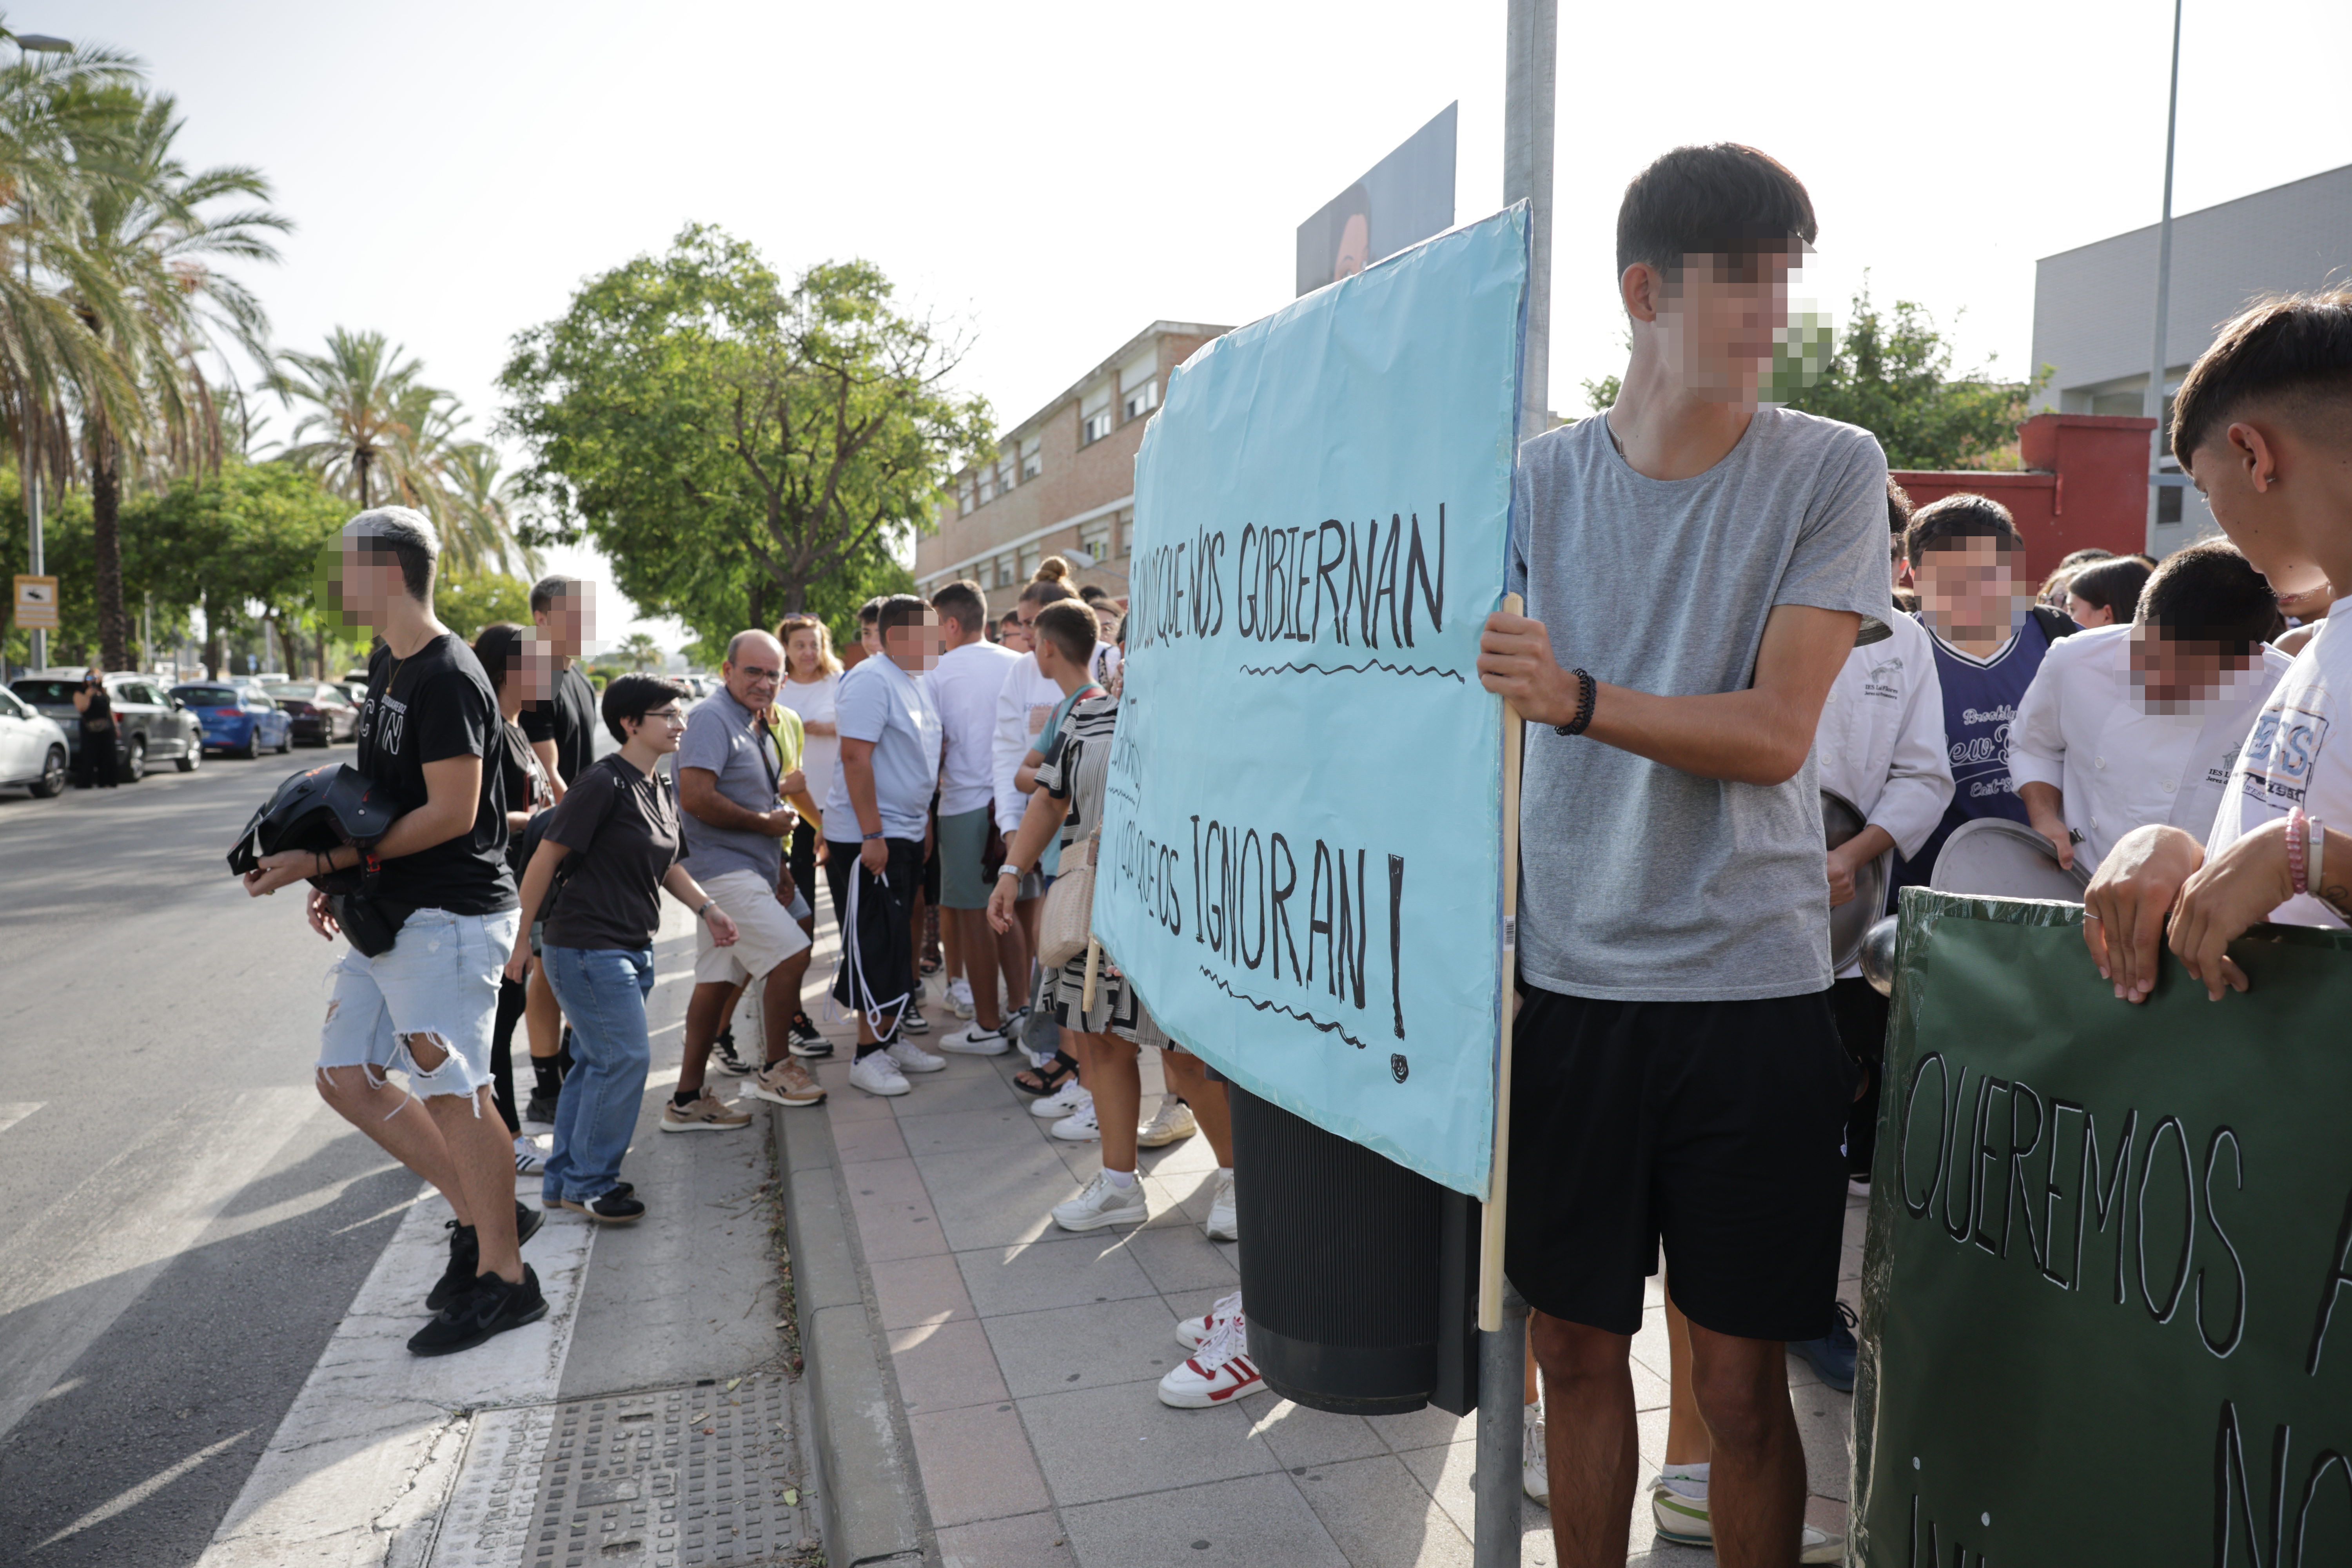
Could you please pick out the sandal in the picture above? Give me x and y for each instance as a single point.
(1047, 1078)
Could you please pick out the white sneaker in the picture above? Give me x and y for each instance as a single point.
(1535, 1478)
(912, 1057)
(1678, 1507)
(1173, 1123)
(960, 997)
(913, 1022)
(1821, 1546)
(1103, 1201)
(876, 1073)
(1061, 1102)
(528, 1162)
(1080, 1126)
(1192, 1332)
(1222, 1225)
(975, 1041)
(1218, 1372)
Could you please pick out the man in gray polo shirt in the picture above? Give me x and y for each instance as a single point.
(733, 774)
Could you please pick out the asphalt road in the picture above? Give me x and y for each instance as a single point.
(186, 1222)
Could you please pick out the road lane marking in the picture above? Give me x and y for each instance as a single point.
(14, 1111)
(135, 1496)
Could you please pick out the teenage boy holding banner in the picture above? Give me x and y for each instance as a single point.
(1677, 1075)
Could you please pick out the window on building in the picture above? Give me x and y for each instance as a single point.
(1094, 540)
(1093, 416)
(1033, 457)
(1029, 558)
(1008, 474)
(2167, 504)
(964, 494)
(1006, 570)
(987, 485)
(1139, 385)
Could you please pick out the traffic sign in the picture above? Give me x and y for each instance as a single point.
(37, 602)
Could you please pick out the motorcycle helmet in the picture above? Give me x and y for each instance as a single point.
(318, 808)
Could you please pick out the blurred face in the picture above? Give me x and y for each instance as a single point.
(1969, 589)
(532, 673)
(2088, 614)
(2175, 675)
(752, 673)
(916, 646)
(364, 580)
(1717, 320)
(801, 648)
(569, 620)
(659, 730)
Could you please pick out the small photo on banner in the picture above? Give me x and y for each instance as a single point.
(1301, 855)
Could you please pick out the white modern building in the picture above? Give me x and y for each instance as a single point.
(2094, 305)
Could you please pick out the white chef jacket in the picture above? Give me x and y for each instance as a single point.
(2082, 728)
(2288, 762)
(1881, 740)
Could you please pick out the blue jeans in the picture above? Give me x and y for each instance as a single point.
(603, 992)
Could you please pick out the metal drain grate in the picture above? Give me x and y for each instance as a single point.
(672, 1479)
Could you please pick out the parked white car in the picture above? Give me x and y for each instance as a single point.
(33, 749)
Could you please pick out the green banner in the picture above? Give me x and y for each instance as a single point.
(2107, 1289)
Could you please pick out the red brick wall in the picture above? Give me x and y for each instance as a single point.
(2085, 486)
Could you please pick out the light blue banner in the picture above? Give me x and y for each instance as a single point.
(1302, 848)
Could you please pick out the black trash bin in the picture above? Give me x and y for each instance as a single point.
(1359, 1276)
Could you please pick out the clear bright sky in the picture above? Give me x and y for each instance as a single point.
(1056, 176)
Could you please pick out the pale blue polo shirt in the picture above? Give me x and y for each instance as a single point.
(882, 703)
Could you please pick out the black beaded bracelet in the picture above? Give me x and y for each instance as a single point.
(1586, 690)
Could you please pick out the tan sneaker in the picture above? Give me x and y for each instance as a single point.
(786, 1082)
(707, 1114)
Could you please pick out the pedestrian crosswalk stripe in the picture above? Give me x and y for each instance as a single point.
(14, 1111)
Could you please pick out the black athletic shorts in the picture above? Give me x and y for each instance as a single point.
(930, 851)
(1714, 1127)
(802, 862)
(892, 972)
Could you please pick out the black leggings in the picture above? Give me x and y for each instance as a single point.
(98, 759)
(803, 863)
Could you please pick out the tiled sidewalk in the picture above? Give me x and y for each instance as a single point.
(1027, 1357)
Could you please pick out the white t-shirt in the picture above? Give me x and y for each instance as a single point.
(821, 754)
(1024, 701)
(2082, 729)
(2287, 762)
(964, 687)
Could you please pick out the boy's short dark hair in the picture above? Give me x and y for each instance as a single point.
(896, 610)
(2210, 593)
(965, 602)
(1071, 628)
(1958, 517)
(634, 697)
(1092, 595)
(1898, 510)
(1721, 200)
(2291, 351)
(870, 611)
(543, 592)
(2114, 586)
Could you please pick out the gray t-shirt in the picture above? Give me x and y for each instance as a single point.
(1641, 882)
(724, 736)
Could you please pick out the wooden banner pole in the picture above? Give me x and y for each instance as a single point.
(1490, 1239)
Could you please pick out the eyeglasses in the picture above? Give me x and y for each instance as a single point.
(667, 715)
(756, 673)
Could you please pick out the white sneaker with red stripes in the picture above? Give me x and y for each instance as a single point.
(1218, 1372)
(1192, 1331)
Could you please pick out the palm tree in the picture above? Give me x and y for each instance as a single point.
(478, 534)
(142, 222)
(363, 396)
(641, 651)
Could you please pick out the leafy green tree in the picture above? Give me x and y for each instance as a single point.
(468, 601)
(734, 445)
(252, 536)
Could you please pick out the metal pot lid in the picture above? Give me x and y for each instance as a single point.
(1851, 921)
(1995, 858)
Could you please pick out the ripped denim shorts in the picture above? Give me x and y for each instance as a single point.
(440, 979)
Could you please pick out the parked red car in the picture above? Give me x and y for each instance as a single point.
(322, 715)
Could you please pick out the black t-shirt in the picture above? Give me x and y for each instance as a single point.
(431, 706)
(524, 782)
(99, 714)
(568, 719)
(621, 827)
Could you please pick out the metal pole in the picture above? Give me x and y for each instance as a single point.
(2160, 361)
(1529, 93)
(33, 519)
(1502, 1373)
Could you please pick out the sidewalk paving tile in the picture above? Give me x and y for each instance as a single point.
(875, 1138)
(1031, 1540)
(943, 1367)
(1233, 1524)
(1032, 1278)
(1090, 1346)
(1183, 1259)
(953, 1132)
(976, 1464)
(911, 1291)
(1428, 1428)
(996, 1197)
(1098, 1443)
(1302, 1438)
(1380, 1515)
(894, 1215)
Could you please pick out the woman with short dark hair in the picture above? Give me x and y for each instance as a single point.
(2106, 592)
(617, 828)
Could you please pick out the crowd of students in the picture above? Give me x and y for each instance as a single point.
(1691, 1078)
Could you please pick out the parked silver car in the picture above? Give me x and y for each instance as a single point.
(150, 726)
(33, 749)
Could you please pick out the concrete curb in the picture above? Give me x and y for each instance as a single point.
(869, 1496)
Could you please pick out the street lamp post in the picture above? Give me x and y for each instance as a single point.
(2160, 361)
(35, 44)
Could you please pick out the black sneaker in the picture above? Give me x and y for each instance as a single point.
(489, 1308)
(465, 1263)
(612, 1206)
(724, 1056)
(806, 1041)
(527, 1221)
(540, 1108)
